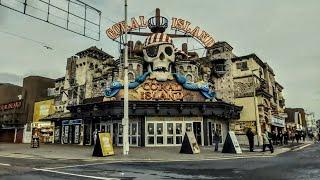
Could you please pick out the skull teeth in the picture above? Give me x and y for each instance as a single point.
(162, 69)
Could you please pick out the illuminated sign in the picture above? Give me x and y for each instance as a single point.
(12, 105)
(153, 90)
(119, 28)
(185, 27)
(177, 24)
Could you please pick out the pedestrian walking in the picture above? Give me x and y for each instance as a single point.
(216, 140)
(95, 135)
(274, 137)
(280, 138)
(303, 134)
(297, 136)
(292, 136)
(266, 142)
(285, 137)
(250, 136)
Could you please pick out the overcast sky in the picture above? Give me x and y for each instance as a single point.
(285, 34)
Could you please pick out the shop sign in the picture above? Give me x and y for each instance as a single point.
(12, 105)
(153, 90)
(71, 122)
(276, 121)
(177, 24)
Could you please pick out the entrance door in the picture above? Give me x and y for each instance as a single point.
(133, 134)
(150, 133)
(159, 134)
(197, 131)
(213, 127)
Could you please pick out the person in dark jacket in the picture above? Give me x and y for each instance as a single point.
(250, 136)
(274, 137)
(297, 136)
(216, 140)
(280, 138)
(286, 137)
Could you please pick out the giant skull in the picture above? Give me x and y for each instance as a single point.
(159, 53)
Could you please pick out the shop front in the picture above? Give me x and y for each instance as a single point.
(277, 124)
(72, 131)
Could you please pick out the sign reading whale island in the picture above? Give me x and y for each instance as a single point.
(177, 24)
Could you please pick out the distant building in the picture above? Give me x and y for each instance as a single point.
(296, 119)
(311, 124)
(17, 106)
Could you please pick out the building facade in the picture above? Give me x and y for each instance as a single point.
(256, 89)
(171, 92)
(296, 120)
(17, 107)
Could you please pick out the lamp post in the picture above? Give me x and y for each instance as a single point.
(256, 112)
(125, 120)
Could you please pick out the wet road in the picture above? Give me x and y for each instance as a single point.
(302, 164)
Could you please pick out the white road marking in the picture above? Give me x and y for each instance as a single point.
(304, 146)
(160, 160)
(2, 164)
(72, 174)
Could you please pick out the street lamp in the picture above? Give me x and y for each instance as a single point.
(125, 120)
(255, 108)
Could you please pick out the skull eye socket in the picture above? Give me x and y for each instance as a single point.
(152, 51)
(168, 51)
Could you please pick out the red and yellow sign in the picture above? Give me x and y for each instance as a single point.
(153, 90)
(177, 24)
(12, 105)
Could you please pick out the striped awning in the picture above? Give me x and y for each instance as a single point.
(158, 38)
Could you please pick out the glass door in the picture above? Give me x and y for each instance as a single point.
(170, 134)
(133, 134)
(150, 133)
(178, 133)
(159, 134)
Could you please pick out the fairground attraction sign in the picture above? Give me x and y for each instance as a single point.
(177, 24)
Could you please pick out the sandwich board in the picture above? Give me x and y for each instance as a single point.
(231, 144)
(189, 144)
(103, 146)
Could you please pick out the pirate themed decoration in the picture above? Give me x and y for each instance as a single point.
(159, 54)
(158, 51)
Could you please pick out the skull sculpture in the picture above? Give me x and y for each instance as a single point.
(158, 51)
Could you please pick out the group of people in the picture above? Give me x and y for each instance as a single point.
(266, 138)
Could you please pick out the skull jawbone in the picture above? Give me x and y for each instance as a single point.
(161, 76)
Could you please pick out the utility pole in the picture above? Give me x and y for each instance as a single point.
(125, 120)
(256, 112)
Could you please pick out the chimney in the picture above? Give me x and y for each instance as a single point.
(157, 17)
(130, 47)
(185, 48)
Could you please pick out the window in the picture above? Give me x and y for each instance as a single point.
(189, 69)
(130, 67)
(131, 76)
(242, 65)
(189, 78)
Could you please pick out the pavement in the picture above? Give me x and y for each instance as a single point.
(302, 162)
(84, 153)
